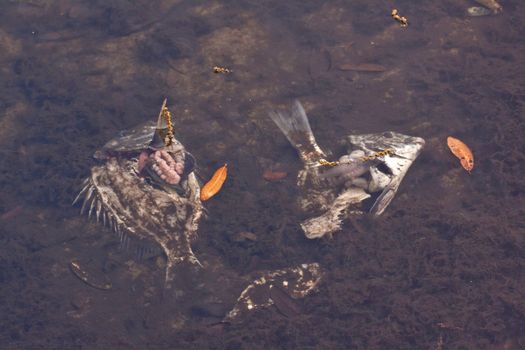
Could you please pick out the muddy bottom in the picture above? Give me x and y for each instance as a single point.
(442, 268)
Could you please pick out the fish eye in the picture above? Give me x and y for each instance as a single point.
(382, 167)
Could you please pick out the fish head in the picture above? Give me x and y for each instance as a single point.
(374, 168)
(399, 152)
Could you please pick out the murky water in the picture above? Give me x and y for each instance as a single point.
(443, 265)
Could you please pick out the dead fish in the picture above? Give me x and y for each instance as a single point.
(147, 206)
(391, 155)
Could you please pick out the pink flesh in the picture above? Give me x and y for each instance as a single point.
(142, 160)
(179, 168)
(167, 167)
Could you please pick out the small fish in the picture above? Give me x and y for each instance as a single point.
(214, 185)
(460, 150)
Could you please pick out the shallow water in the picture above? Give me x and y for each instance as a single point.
(444, 264)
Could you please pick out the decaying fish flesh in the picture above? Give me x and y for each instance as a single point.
(375, 164)
(296, 282)
(145, 189)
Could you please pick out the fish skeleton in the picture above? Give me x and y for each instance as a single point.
(145, 188)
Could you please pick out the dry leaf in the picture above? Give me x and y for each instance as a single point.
(270, 175)
(461, 150)
(214, 185)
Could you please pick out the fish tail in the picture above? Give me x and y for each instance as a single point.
(177, 267)
(296, 128)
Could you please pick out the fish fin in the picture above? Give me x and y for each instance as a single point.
(296, 128)
(85, 187)
(385, 197)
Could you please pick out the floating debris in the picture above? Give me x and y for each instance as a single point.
(270, 175)
(221, 70)
(294, 283)
(477, 11)
(492, 5)
(97, 281)
(401, 20)
(362, 67)
(462, 151)
(213, 186)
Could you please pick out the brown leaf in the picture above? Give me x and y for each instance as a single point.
(363, 67)
(270, 175)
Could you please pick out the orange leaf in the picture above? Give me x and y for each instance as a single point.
(460, 150)
(214, 185)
